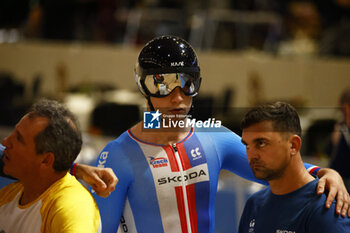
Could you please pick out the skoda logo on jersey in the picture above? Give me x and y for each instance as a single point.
(284, 231)
(159, 162)
(151, 120)
(183, 178)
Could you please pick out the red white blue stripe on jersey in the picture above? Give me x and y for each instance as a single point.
(185, 179)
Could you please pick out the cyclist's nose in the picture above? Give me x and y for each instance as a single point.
(177, 95)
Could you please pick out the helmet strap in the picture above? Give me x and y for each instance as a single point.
(191, 111)
(150, 104)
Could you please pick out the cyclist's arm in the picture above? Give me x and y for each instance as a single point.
(111, 208)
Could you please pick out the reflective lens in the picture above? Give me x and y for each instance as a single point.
(159, 85)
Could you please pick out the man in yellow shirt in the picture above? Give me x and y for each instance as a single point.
(46, 198)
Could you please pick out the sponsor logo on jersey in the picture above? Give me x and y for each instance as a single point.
(186, 177)
(159, 162)
(196, 154)
(251, 225)
(123, 225)
(102, 159)
(284, 231)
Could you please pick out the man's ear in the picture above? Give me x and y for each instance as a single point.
(48, 160)
(295, 144)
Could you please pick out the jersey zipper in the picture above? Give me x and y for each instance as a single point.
(184, 191)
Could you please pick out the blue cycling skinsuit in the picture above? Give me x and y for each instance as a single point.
(169, 188)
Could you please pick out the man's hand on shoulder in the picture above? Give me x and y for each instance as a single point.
(102, 180)
(332, 181)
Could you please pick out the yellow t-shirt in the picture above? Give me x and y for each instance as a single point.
(65, 207)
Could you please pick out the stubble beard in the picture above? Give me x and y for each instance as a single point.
(264, 173)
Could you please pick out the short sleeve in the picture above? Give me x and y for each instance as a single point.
(76, 213)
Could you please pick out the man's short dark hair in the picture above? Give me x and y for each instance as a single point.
(61, 136)
(283, 116)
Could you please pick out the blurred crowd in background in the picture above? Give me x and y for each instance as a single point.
(304, 27)
(320, 27)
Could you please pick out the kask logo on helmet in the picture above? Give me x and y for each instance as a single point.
(181, 63)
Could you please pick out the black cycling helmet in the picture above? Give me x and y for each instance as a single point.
(167, 62)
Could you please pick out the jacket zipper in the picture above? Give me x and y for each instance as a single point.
(184, 191)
